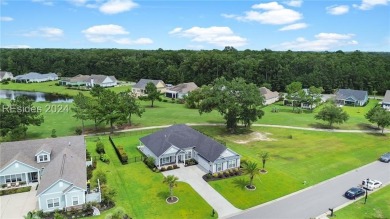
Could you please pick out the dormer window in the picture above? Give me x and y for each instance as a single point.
(43, 158)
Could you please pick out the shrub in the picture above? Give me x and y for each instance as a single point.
(22, 183)
(162, 169)
(231, 172)
(87, 155)
(78, 131)
(89, 172)
(15, 190)
(53, 133)
(149, 161)
(164, 100)
(169, 168)
(226, 173)
(175, 166)
(215, 175)
(101, 176)
(3, 185)
(100, 147)
(290, 137)
(122, 154)
(220, 175)
(105, 158)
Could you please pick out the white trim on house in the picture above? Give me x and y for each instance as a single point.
(54, 183)
(52, 199)
(19, 162)
(78, 201)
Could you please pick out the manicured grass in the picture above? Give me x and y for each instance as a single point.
(377, 206)
(50, 87)
(296, 156)
(141, 192)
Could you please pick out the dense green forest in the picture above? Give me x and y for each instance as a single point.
(330, 70)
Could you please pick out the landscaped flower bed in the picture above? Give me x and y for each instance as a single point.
(174, 166)
(15, 190)
(223, 174)
(191, 162)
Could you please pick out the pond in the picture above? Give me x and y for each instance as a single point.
(36, 96)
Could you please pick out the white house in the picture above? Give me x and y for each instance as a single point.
(180, 90)
(57, 164)
(4, 75)
(178, 143)
(139, 88)
(90, 81)
(386, 100)
(35, 77)
(270, 97)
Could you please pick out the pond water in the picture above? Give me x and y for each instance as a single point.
(36, 96)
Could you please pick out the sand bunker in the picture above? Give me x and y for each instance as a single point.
(255, 136)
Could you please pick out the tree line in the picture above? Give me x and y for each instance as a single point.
(329, 70)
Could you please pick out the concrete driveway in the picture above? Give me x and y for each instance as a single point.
(16, 206)
(315, 200)
(193, 176)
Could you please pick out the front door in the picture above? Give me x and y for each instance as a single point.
(181, 158)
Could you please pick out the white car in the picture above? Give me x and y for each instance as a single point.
(371, 184)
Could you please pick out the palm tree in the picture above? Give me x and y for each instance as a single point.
(264, 157)
(170, 180)
(251, 169)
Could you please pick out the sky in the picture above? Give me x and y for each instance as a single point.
(297, 25)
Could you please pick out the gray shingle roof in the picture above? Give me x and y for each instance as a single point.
(141, 84)
(386, 99)
(184, 88)
(268, 94)
(74, 169)
(343, 94)
(183, 136)
(34, 75)
(3, 73)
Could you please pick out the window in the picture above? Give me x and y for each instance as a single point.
(188, 155)
(75, 200)
(219, 167)
(231, 163)
(54, 202)
(165, 160)
(43, 158)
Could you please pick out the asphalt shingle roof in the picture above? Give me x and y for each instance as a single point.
(184, 88)
(141, 84)
(268, 94)
(386, 99)
(183, 136)
(74, 169)
(343, 94)
(34, 75)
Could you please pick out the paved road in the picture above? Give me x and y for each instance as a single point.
(316, 200)
(193, 176)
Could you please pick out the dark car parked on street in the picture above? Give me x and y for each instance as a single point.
(354, 192)
(385, 157)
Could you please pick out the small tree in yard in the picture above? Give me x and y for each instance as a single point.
(251, 169)
(152, 93)
(99, 147)
(264, 157)
(332, 114)
(171, 181)
(379, 116)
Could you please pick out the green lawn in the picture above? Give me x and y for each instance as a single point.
(377, 206)
(141, 192)
(296, 156)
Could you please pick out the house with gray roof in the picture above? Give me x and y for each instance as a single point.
(139, 88)
(386, 101)
(4, 75)
(351, 97)
(57, 164)
(35, 77)
(178, 143)
(181, 90)
(90, 81)
(270, 97)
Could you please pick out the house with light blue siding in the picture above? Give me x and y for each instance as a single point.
(386, 101)
(58, 165)
(351, 97)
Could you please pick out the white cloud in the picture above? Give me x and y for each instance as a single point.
(16, 47)
(219, 36)
(322, 42)
(296, 26)
(6, 19)
(294, 3)
(268, 13)
(112, 33)
(44, 2)
(78, 2)
(337, 9)
(117, 6)
(369, 4)
(47, 32)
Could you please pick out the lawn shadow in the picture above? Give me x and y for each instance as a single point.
(240, 183)
(163, 195)
(366, 126)
(318, 125)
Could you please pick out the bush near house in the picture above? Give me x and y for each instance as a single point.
(15, 190)
(222, 175)
(191, 162)
(122, 155)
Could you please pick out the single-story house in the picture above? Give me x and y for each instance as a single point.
(386, 100)
(351, 97)
(139, 88)
(178, 143)
(180, 90)
(4, 75)
(57, 164)
(35, 77)
(90, 81)
(270, 97)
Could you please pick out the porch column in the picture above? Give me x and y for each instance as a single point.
(177, 158)
(159, 162)
(27, 181)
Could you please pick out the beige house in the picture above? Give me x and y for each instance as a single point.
(270, 97)
(4, 75)
(139, 88)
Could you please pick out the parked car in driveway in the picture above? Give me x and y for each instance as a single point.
(354, 192)
(385, 157)
(371, 184)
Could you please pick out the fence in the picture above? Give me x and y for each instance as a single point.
(128, 159)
